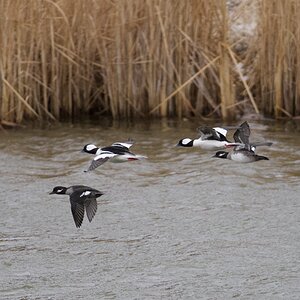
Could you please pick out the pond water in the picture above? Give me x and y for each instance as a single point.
(180, 225)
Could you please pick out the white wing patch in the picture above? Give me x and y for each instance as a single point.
(220, 130)
(86, 193)
(127, 144)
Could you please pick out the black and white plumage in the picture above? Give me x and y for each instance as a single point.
(81, 198)
(242, 156)
(243, 151)
(211, 138)
(117, 152)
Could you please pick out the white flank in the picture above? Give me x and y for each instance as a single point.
(127, 157)
(119, 159)
(209, 144)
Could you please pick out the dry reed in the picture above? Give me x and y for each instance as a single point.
(124, 58)
(277, 69)
(139, 58)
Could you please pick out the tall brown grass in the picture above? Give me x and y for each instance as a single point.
(141, 58)
(124, 58)
(277, 68)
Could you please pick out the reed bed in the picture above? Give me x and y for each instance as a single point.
(142, 58)
(277, 70)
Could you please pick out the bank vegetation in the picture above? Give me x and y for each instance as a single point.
(148, 58)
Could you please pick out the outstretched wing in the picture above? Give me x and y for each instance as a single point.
(84, 197)
(208, 133)
(91, 208)
(242, 134)
(126, 144)
(77, 211)
(100, 160)
(220, 130)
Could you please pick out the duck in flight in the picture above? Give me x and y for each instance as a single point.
(82, 198)
(117, 152)
(211, 138)
(243, 151)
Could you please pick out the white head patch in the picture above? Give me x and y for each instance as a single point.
(90, 147)
(86, 193)
(185, 141)
(59, 190)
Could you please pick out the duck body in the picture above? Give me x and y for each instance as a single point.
(116, 153)
(209, 144)
(82, 198)
(243, 151)
(210, 139)
(241, 156)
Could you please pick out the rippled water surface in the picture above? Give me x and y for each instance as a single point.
(180, 225)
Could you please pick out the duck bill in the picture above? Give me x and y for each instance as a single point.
(230, 145)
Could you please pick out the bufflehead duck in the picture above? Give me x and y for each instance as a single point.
(117, 152)
(81, 197)
(242, 156)
(243, 151)
(210, 139)
(241, 139)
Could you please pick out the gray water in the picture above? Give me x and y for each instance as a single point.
(180, 225)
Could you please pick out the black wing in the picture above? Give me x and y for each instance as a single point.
(77, 212)
(117, 149)
(83, 196)
(242, 134)
(91, 208)
(208, 133)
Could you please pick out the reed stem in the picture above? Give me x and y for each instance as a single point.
(145, 58)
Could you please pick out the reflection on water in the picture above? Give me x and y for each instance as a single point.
(178, 225)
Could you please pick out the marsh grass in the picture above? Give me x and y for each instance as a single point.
(277, 69)
(141, 58)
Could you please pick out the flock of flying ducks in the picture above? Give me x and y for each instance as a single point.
(83, 198)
